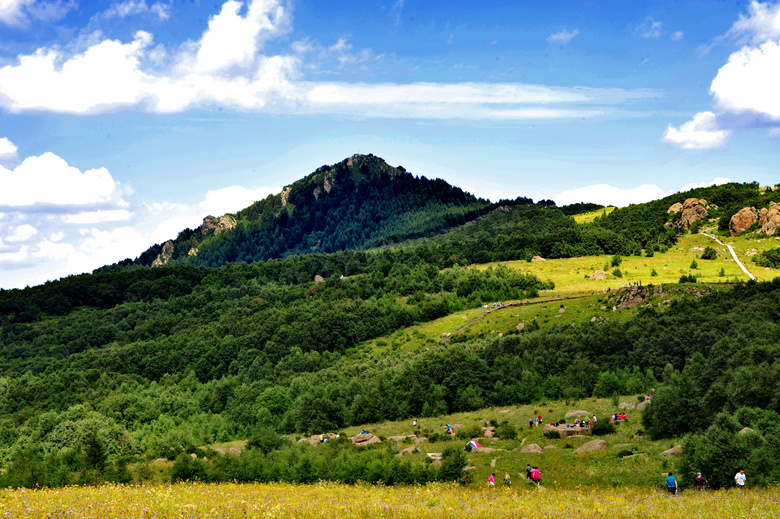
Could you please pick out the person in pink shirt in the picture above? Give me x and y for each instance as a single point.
(492, 480)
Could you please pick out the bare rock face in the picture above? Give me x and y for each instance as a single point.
(769, 218)
(674, 208)
(209, 223)
(743, 220)
(693, 210)
(599, 275)
(538, 258)
(531, 449)
(674, 451)
(193, 252)
(365, 439)
(594, 445)
(225, 223)
(165, 255)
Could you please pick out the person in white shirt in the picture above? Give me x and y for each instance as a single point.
(740, 478)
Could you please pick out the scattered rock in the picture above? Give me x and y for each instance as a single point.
(531, 449)
(520, 326)
(627, 405)
(751, 252)
(743, 220)
(641, 405)
(420, 439)
(576, 413)
(434, 455)
(674, 451)
(446, 335)
(746, 430)
(406, 451)
(365, 439)
(598, 275)
(487, 432)
(593, 445)
(546, 447)
(603, 308)
(319, 279)
(562, 310)
(470, 467)
(593, 319)
(194, 456)
(538, 258)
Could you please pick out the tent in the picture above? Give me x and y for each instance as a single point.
(472, 445)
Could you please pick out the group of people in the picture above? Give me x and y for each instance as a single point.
(535, 421)
(671, 482)
(619, 417)
(531, 473)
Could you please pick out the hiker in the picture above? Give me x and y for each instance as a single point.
(540, 419)
(536, 475)
(700, 481)
(594, 418)
(530, 423)
(528, 470)
(414, 423)
(740, 478)
(507, 479)
(492, 480)
(671, 484)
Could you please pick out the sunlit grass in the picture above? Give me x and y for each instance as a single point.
(190, 500)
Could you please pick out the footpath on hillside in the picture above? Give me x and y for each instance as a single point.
(733, 255)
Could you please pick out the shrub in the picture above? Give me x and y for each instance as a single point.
(506, 431)
(554, 435)
(617, 273)
(653, 273)
(602, 428)
(689, 278)
(467, 433)
(616, 260)
(709, 253)
(694, 265)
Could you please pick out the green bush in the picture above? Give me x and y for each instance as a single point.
(617, 273)
(554, 435)
(709, 253)
(602, 428)
(506, 431)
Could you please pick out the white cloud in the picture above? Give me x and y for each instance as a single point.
(50, 250)
(226, 67)
(57, 236)
(12, 12)
(677, 36)
(750, 81)
(135, 7)
(605, 194)
(88, 217)
(650, 28)
(232, 40)
(8, 152)
(562, 37)
(715, 182)
(49, 180)
(17, 256)
(234, 198)
(21, 233)
(762, 23)
(700, 133)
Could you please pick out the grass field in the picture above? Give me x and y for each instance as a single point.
(228, 501)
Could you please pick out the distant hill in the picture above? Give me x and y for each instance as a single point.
(358, 203)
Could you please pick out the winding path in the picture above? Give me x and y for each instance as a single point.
(733, 255)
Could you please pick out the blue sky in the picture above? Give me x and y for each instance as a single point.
(122, 123)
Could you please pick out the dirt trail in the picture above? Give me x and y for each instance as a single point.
(733, 255)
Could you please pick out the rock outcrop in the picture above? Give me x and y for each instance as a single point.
(538, 258)
(599, 275)
(218, 225)
(209, 223)
(593, 445)
(693, 210)
(165, 255)
(365, 439)
(769, 218)
(677, 450)
(743, 220)
(675, 208)
(531, 449)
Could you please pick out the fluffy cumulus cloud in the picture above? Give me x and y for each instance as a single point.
(750, 81)
(233, 198)
(562, 37)
(650, 28)
(136, 7)
(8, 152)
(228, 66)
(744, 90)
(606, 194)
(700, 133)
(48, 180)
